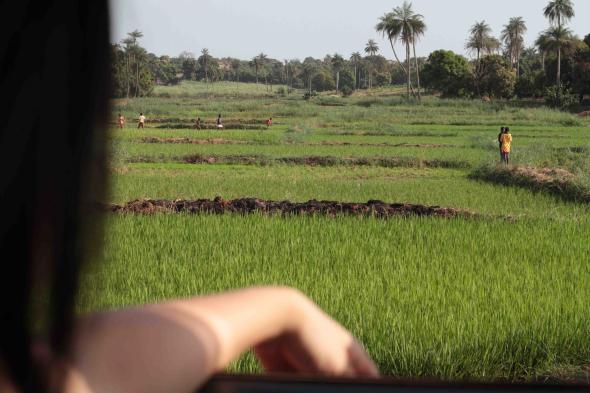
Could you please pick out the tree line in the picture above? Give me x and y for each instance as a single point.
(556, 67)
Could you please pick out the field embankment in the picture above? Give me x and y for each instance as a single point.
(319, 161)
(555, 181)
(218, 205)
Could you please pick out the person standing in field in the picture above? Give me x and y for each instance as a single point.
(141, 120)
(506, 144)
(269, 122)
(219, 122)
(198, 123)
(50, 226)
(502, 132)
(121, 121)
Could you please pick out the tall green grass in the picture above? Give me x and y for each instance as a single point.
(444, 298)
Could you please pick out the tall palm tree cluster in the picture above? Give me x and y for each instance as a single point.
(405, 26)
(402, 26)
(556, 39)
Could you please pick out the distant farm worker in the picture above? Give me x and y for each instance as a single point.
(198, 123)
(121, 121)
(219, 122)
(500, 142)
(506, 140)
(141, 120)
(269, 122)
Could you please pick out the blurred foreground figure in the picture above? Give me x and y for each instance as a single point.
(54, 91)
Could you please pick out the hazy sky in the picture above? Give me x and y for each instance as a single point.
(297, 29)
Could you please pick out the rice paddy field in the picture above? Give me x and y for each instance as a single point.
(501, 295)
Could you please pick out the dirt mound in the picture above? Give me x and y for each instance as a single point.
(542, 175)
(286, 208)
(209, 141)
(555, 181)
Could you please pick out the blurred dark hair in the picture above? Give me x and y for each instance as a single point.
(54, 88)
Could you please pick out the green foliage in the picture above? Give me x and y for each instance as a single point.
(189, 68)
(346, 79)
(564, 100)
(346, 91)
(498, 78)
(131, 68)
(310, 95)
(323, 81)
(447, 73)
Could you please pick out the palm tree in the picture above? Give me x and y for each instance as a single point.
(390, 27)
(258, 62)
(403, 24)
(206, 56)
(337, 63)
(481, 41)
(235, 66)
(371, 49)
(134, 36)
(559, 39)
(559, 12)
(513, 37)
(418, 30)
(309, 69)
(542, 44)
(128, 42)
(356, 59)
(479, 38)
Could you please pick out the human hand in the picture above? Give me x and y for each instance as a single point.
(316, 344)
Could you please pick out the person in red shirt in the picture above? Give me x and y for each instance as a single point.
(269, 122)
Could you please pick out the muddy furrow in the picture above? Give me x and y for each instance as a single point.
(218, 205)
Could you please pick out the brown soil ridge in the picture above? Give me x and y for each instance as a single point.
(223, 141)
(192, 141)
(332, 209)
(396, 134)
(555, 181)
(318, 161)
(384, 144)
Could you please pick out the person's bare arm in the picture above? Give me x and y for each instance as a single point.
(176, 346)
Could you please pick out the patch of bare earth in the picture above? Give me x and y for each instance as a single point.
(219, 205)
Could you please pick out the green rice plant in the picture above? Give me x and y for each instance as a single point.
(440, 298)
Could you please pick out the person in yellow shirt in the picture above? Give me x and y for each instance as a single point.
(506, 142)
